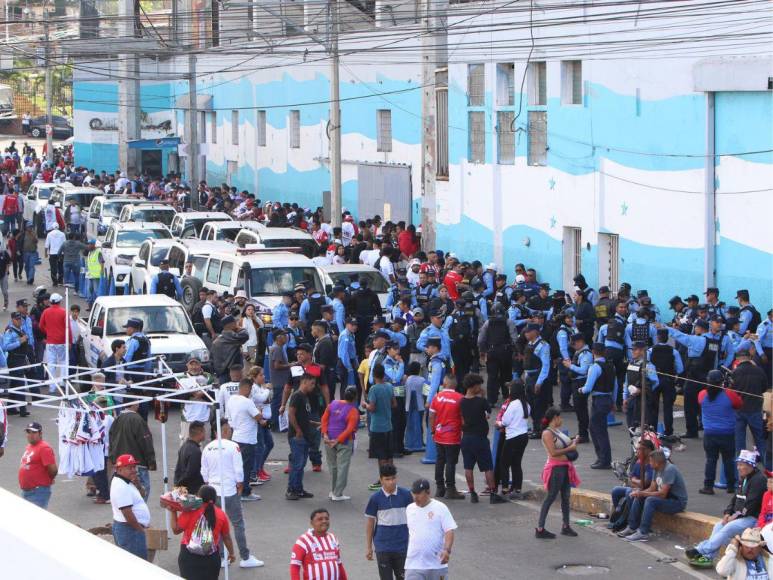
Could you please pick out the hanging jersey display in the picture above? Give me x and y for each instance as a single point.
(82, 440)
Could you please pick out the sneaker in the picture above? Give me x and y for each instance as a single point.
(486, 491)
(691, 553)
(264, 476)
(223, 562)
(496, 498)
(317, 468)
(291, 495)
(706, 491)
(451, 493)
(330, 495)
(256, 483)
(474, 497)
(305, 494)
(543, 534)
(701, 561)
(637, 536)
(515, 495)
(101, 501)
(340, 498)
(251, 562)
(440, 492)
(374, 486)
(568, 531)
(625, 532)
(286, 469)
(251, 497)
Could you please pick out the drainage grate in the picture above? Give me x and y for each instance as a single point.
(582, 570)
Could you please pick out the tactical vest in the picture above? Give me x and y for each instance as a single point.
(641, 333)
(633, 374)
(531, 361)
(663, 358)
(555, 350)
(461, 328)
(711, 352)
(606, 381)
(424, 293)
(497, 335)
(315, 308)
(166, 285)
(756, 317)
(576, 362)
(143, 347)
(616, 331)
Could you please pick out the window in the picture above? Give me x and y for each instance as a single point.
(477, 132)
(538, 83)
(261, 128)
(538, 138)
(505, 138)
(572, 255)
(476, 85)
(505, 84)
(215, 22)
(213, 271)
(295, 129)
(609, 261)
(234, 127)
(202, 128)
(441, 122)
(199, 263)
(176, 259)
(144, 253)
(571, 82)
(384, 130)
(225, 273)
(213, 126)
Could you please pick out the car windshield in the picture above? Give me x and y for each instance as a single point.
(375, 280)
(113, 208)
(198, 223)
(276, 281)
(227, 233)
(165, 216)
(82, 199)
(156, 319)
(158, 255)
(134, 238)
(44, 192)
(307, 246)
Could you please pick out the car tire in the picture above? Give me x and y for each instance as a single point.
(191, 287)
(36, 132)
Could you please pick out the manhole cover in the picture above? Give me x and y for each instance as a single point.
(582, 570)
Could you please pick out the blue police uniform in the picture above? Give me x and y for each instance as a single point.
(581, 361)
(433, 331)
(280, 316)
(600, 385)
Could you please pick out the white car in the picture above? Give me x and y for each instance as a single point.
(36, 200)
(188, 224)
(121, 245)
(104, 210)
(342, 273)
(264, 237)
(148, 212)
(264, 275)
(166, 324)
(145, 264)
(227, 231)
(64, 193)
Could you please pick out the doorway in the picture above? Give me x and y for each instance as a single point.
(150, 162)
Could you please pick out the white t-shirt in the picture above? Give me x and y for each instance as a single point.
(426, 529)
(261, 396)
(198, 411)
(387, 268)
(347, 233)
(207, 310)
(124, 494)
(224, 393)
(241, 413)
(233, 471)
(513, 420)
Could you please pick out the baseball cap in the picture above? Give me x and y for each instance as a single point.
(22, 302)
(194, 357)
(381, 334)
(638, 344)
(134, 323)
(56, 298)
(34, 427)
(746, 456)
(712, 290)
(702, 323)
(417, 312)
(604, 290)
(126, 460)
(351, 320)
(16, 315)
(164, 262)
(742, 294)
(692, 298)
(420, 485)
(228, 320)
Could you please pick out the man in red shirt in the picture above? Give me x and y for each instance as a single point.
(452, 280)
(316, 554)
(445, 424)
(38, 468)
(52, 323)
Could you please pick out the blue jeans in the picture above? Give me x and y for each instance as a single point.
(144, 476)
(93, 289)
(643, 510)
(315, 451)
(263, 448)
(30, 261)
(618, 493)
(276, 402)
(754, 421)
(131, 540)
(72, 274)
(40, 495)
(248, 460)
(601, 406)
(299, 453)
(713, 445)
(722, 534)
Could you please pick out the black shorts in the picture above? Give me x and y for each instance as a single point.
(476, 449)
(381, 445)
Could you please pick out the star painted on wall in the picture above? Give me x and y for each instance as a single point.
(552, 222)
(552, 183)
(624, 209)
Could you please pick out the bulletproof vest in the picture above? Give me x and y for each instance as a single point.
(143, 347)
(461, 328)
(576, 361)
(602, 309)
(616, 330)
(555, 351)
(498, 335)
(521, 311)
(215, 320)
(663, 358)
(633, 374)
(196, 315)
(530, 360)
(606, 381)
(21, 356)
(641, 333)
(756, 316)
(500, 295)
(363, 303)
(424, 293)
(315, 308)
(166, 284)
(710, 354)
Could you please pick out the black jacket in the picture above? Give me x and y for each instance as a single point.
(187, 472)
(752, 488)
(129, 433)
(226, 350)
(750, 382)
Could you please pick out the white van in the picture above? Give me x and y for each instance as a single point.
(188, 224)
(227, 231)
(121, 245)
(104, 210)
(264, 237)
(36, 200)
(148, 212)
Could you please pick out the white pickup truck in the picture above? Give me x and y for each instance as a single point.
(166, 324)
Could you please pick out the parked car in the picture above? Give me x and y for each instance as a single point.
(188, 224)
(104, 210)
(62, 127)
(36, 201)
(150, 212)
(263, 237)
(342, 273)
(121, 245)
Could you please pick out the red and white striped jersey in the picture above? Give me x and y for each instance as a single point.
(316, 558)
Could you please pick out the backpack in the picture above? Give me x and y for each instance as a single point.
(166, 284)
(202, 540)
(461, 330)
(11, 205)
(756, 317)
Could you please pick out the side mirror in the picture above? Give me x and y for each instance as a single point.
(97, 331)
(107, 245)
(31, 196)
(328, 288)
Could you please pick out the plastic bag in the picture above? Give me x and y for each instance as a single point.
(202, 540)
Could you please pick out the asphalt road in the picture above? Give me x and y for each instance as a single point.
(490, 539)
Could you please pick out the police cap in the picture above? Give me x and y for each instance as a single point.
(434, 341)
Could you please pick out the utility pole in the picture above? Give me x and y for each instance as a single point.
(334, 130)
(192, 132)
(49, 96)
(128, 90)
(643, 405)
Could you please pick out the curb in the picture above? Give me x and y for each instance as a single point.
(691, 526)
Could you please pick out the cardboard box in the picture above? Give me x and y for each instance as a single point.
(157, 539)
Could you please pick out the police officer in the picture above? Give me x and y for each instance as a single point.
(588, 293)
(678, 306)
(536, 370)
(560, 353)
(347, 357)
(165, 282)
(478, 299)
(600, 385)
(339, 308)
(311, 307)
(502, 291)
(691, 312)
(327, 318)
(394, 369)
(462, 331)
(438, 328)
(749, 317)
(137, 350)
(764, 344)
(640, 329)
(668, 364)
(713, 306)
(542, 301)
(426, 290)
(720, 343)
(365, 305)
(635, 384)
(518, 312)
(612, 336)
(488, 279)
(495, 344)
(605, 307)
(578, 369)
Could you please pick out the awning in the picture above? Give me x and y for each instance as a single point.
(162, 143)
(203, 102)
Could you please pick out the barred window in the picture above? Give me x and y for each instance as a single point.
(477, 133)
(261, 122)
(505, 138)
(295, 129)
(476, 85)
(384, 130)
(538, 138)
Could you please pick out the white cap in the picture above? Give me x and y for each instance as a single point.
(491, 266)
(56, 298)
(241, 294)
(520, 279)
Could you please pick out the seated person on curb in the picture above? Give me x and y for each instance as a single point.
(666, 494)
(740, 514)
(744, 557)
(621, 492)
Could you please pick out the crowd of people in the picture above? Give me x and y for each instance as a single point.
(459, 359)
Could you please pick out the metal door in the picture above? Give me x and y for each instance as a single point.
(386, 191)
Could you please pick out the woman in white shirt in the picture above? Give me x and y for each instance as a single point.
(261, 396)
(252, 325)
(516, 427)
